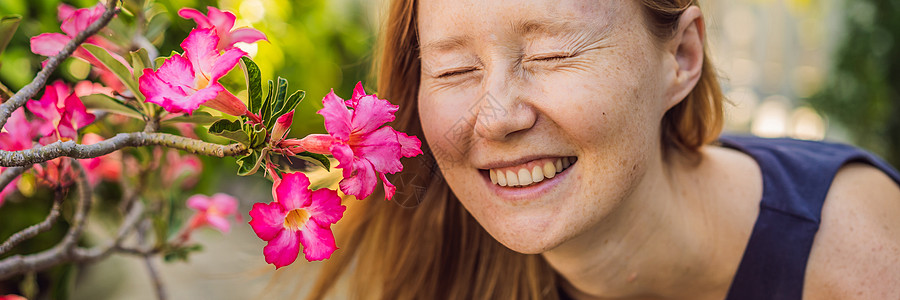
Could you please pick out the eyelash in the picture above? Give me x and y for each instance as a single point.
(455, 73)
(552, 58)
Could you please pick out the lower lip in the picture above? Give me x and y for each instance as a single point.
(534, 191)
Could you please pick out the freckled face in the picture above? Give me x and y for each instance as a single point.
(507, 86)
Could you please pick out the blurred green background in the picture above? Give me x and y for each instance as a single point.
(810, 69)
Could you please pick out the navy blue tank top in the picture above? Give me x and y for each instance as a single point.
(796, 178)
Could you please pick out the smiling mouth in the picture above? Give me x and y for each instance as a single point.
(530, 173)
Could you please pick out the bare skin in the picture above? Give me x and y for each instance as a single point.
(505, 83)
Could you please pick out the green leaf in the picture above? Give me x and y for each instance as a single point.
(254, 84)
(8, 26)
(277, 102)
(140, 59)
(257, 135)
(180, 252)
(110, 104)
(157, 27)
(248, 164)
(117, 68)
(317, 159)
(199, 117)
(289, 104)
(231, 130)
(268, 104)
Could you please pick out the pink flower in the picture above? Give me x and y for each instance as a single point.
(185, 168)
(85, 88)
(184, 82)
(297, 216)
(213, 211)
(108, 167)
(364, 149)
(222, 22)
(61, 114)
(18, 134)
(75, 21)
(12, 297)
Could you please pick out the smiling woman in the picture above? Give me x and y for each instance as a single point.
(571, 153)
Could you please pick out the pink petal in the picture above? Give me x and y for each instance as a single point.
(222, 20)
(200, 97)
(325, 206)
(318, 241)
(199, 202)
(362, 184)
(218, 222)
(267, 220)
(345, 157)
(225, 63)
(227, 102)
(76, 113)
(200, 48)
(196, 15)
(358, 92)
(337, 116)
(176, 70)
(282, 125)
(283, 250)
(389, 189)
(381, 148)
(8, 189)
(293, 191)
(370, 113)
(48, 44)
(409, 145)
(246, 35)
(224, 203)
(64, 11)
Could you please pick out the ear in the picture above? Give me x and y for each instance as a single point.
(686, 47)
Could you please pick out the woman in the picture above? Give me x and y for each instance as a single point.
(576, 157)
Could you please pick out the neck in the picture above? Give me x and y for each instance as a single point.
(667, 240)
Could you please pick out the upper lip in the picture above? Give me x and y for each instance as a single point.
(515, 162)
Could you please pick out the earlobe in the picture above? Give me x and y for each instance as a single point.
(688, 54)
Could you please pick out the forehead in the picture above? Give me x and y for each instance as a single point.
(450, 23)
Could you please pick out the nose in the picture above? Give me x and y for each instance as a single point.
(504, 109)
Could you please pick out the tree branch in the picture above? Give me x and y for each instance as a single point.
(122, 140)
(35, 229)
(40, 80)
(63, 251)
(9, 174)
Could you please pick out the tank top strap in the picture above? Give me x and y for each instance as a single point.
(796, 178)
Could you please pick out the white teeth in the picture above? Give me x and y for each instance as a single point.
(549, 170)
(526, 177)
(501, 179)
(511, 179)
(537, 174)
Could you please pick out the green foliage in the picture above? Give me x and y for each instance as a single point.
(861, 92)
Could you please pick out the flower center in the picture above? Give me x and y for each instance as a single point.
(295, 219)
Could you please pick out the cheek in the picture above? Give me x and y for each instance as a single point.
(447, 122)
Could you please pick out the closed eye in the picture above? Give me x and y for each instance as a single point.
(455, 72)
(550, 58)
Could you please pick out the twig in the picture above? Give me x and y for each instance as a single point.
(9, 174)
(63, 251)
(35, 229)
(122, 140)
(131, 220)
(40, 80)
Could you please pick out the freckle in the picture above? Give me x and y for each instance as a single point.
(632, 277)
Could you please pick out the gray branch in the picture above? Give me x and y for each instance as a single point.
(35, 229)
(122, 140)
(40, 80)
(9, 174)
(62, 252)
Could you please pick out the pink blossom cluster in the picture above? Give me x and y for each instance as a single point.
(358, 138)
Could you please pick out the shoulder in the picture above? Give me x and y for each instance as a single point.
(856, 253)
